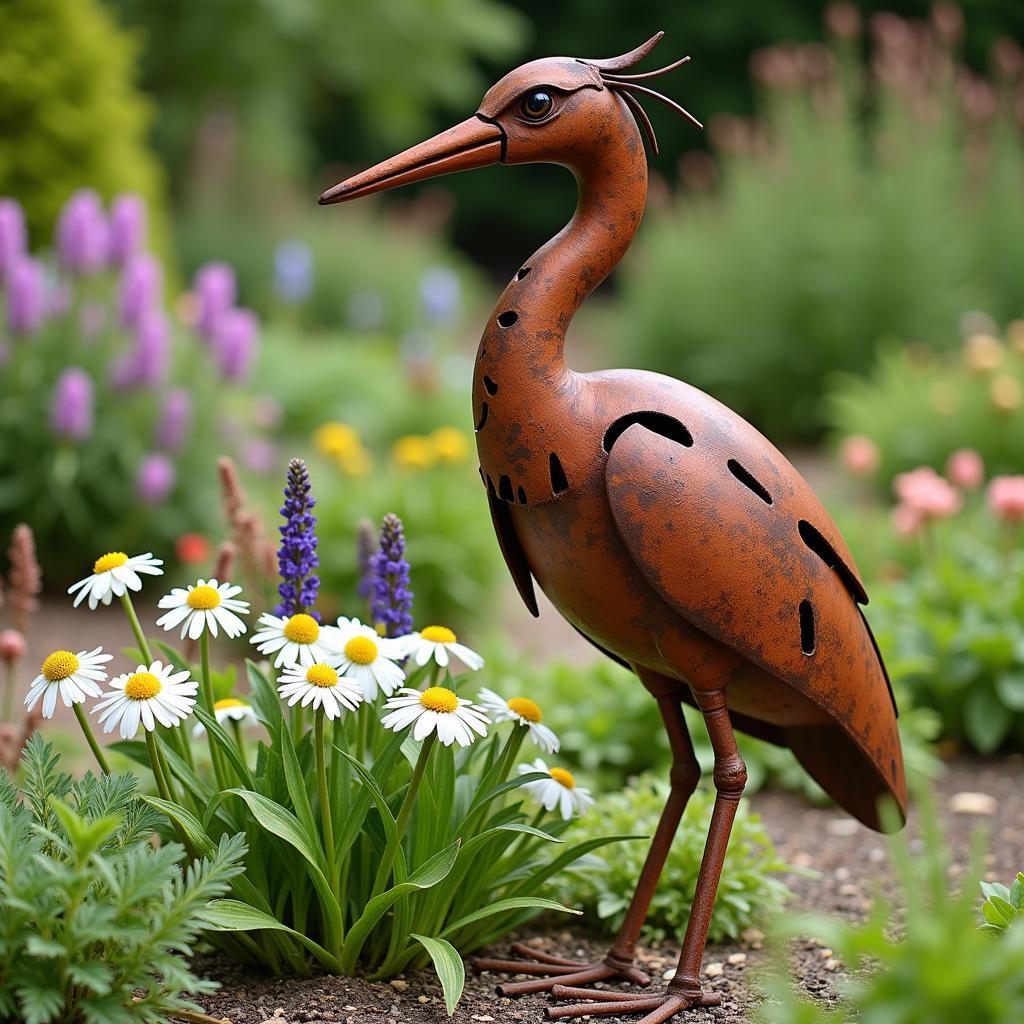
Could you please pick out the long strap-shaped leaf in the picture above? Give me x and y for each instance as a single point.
(451, 971)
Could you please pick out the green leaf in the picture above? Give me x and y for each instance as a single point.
(514, 903)
(226, 745)
(235, 916)
(1010, 687)
(295, 783)
(187, 822)
(451, 971)
(280, 822)
(987, 720)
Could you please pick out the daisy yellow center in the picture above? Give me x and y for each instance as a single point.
(562, 777)
(362, 650)
(302, 629)
(439, 698)
(321, 675)
(59, 665)
(228, 702)
(525, 708)
(142, 686)
(438, 634)
(111, 560)
(203, 598)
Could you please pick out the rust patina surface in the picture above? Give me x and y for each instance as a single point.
(660, 524)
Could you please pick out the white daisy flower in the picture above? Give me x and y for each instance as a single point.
(230, 709)
(559, 790)
(150, 695)
(436, 709)
(369, 658)
(439, 642)
(72, 677)
(322, 686)
(524, 711)
(113, 575)
(206, 605)
(296, 639)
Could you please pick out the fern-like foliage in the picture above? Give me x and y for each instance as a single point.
(91, 913)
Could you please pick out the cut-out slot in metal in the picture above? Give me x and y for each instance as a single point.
(521, 495)
(483, 417)
(508, 318)
(505, 489)
(559, 481)
(523, 271)
(814, 540)
(657, 422)
(749, 480)
(806, 627)
(490, 386)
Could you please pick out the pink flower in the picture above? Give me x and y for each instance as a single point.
(929, 494)
(12, 645)
(860, 455)
(966, 469)
(906, 521)
(1006, 498)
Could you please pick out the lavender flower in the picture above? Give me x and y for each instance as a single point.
(215, 290)
(26, 297)
(366, 548)
(391, 606)
(139, 289)
(146, 365)
(234, 342)
(259, 455)
(82, 234)
(71, 410)
(155, 478)
(175, 420)
(297, 557)
(127, 228)
(12, 235)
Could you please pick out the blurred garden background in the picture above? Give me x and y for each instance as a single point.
(839, 257)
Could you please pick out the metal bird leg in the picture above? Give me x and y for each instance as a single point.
(684, 990)
(618, 963)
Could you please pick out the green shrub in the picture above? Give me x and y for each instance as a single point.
(919, 406)
(927, 963)
(69, 113)
(750, 890)
(1003, 905)
(95, 922)
(865, 202)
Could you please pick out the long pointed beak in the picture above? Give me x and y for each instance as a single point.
(474, 143)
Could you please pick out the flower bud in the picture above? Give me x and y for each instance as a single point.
(175, 420)
(234, 342)
(215, 291)
(26, 297)
(82, 234)
(139, 289)
(966, 469)
(127, 228)
(12, 646)
(155, 478)
(71, 411)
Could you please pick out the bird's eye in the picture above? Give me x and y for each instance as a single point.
(536, 105)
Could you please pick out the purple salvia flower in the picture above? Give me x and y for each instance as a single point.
(82, 234)
(13, 237)
(127, 228)
(391, 606)
(139, 289)
(215, 290)
(297, 557)
(366, 548)
(235, 336)
(26, 297)
(71, 410)
(175, 420)
(155, 478)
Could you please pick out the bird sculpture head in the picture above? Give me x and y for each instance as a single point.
(551, 110)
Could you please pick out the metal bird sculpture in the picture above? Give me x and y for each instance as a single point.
(661, 525)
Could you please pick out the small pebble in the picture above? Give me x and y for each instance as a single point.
(842, 874)
(738, 958)
(669, 974)
(400, 985)
(842, 827)
(849, 890)
(831, 965)
(973, 803)
(826, 954)
(423, 999)
(714, 970)
(481, 1016)
(279, 1012)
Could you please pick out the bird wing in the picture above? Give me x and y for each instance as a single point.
(512, 549)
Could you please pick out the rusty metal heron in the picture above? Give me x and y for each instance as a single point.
(661, 525)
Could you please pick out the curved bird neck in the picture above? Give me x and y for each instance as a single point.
(528, 327)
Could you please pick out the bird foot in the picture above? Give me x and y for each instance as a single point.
(656, 1007)
(555, 970)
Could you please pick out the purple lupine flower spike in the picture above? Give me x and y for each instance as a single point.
(297, 557)
(82, 234)
(175, 420)
(71, 411)
(152, 348)
(155, 478)
(139, 289)
(26, 297)
(13, 237)
(392, 596)
(215, 290)
(127, 228)
(234, 342)
(366, 548)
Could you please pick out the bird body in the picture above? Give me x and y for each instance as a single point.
(660, 524)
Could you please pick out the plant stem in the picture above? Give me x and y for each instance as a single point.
(140, 637)
(206, 694)
(511, 751)
(325, 811)
(156, 766)
(8, 692)
(91, 739)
